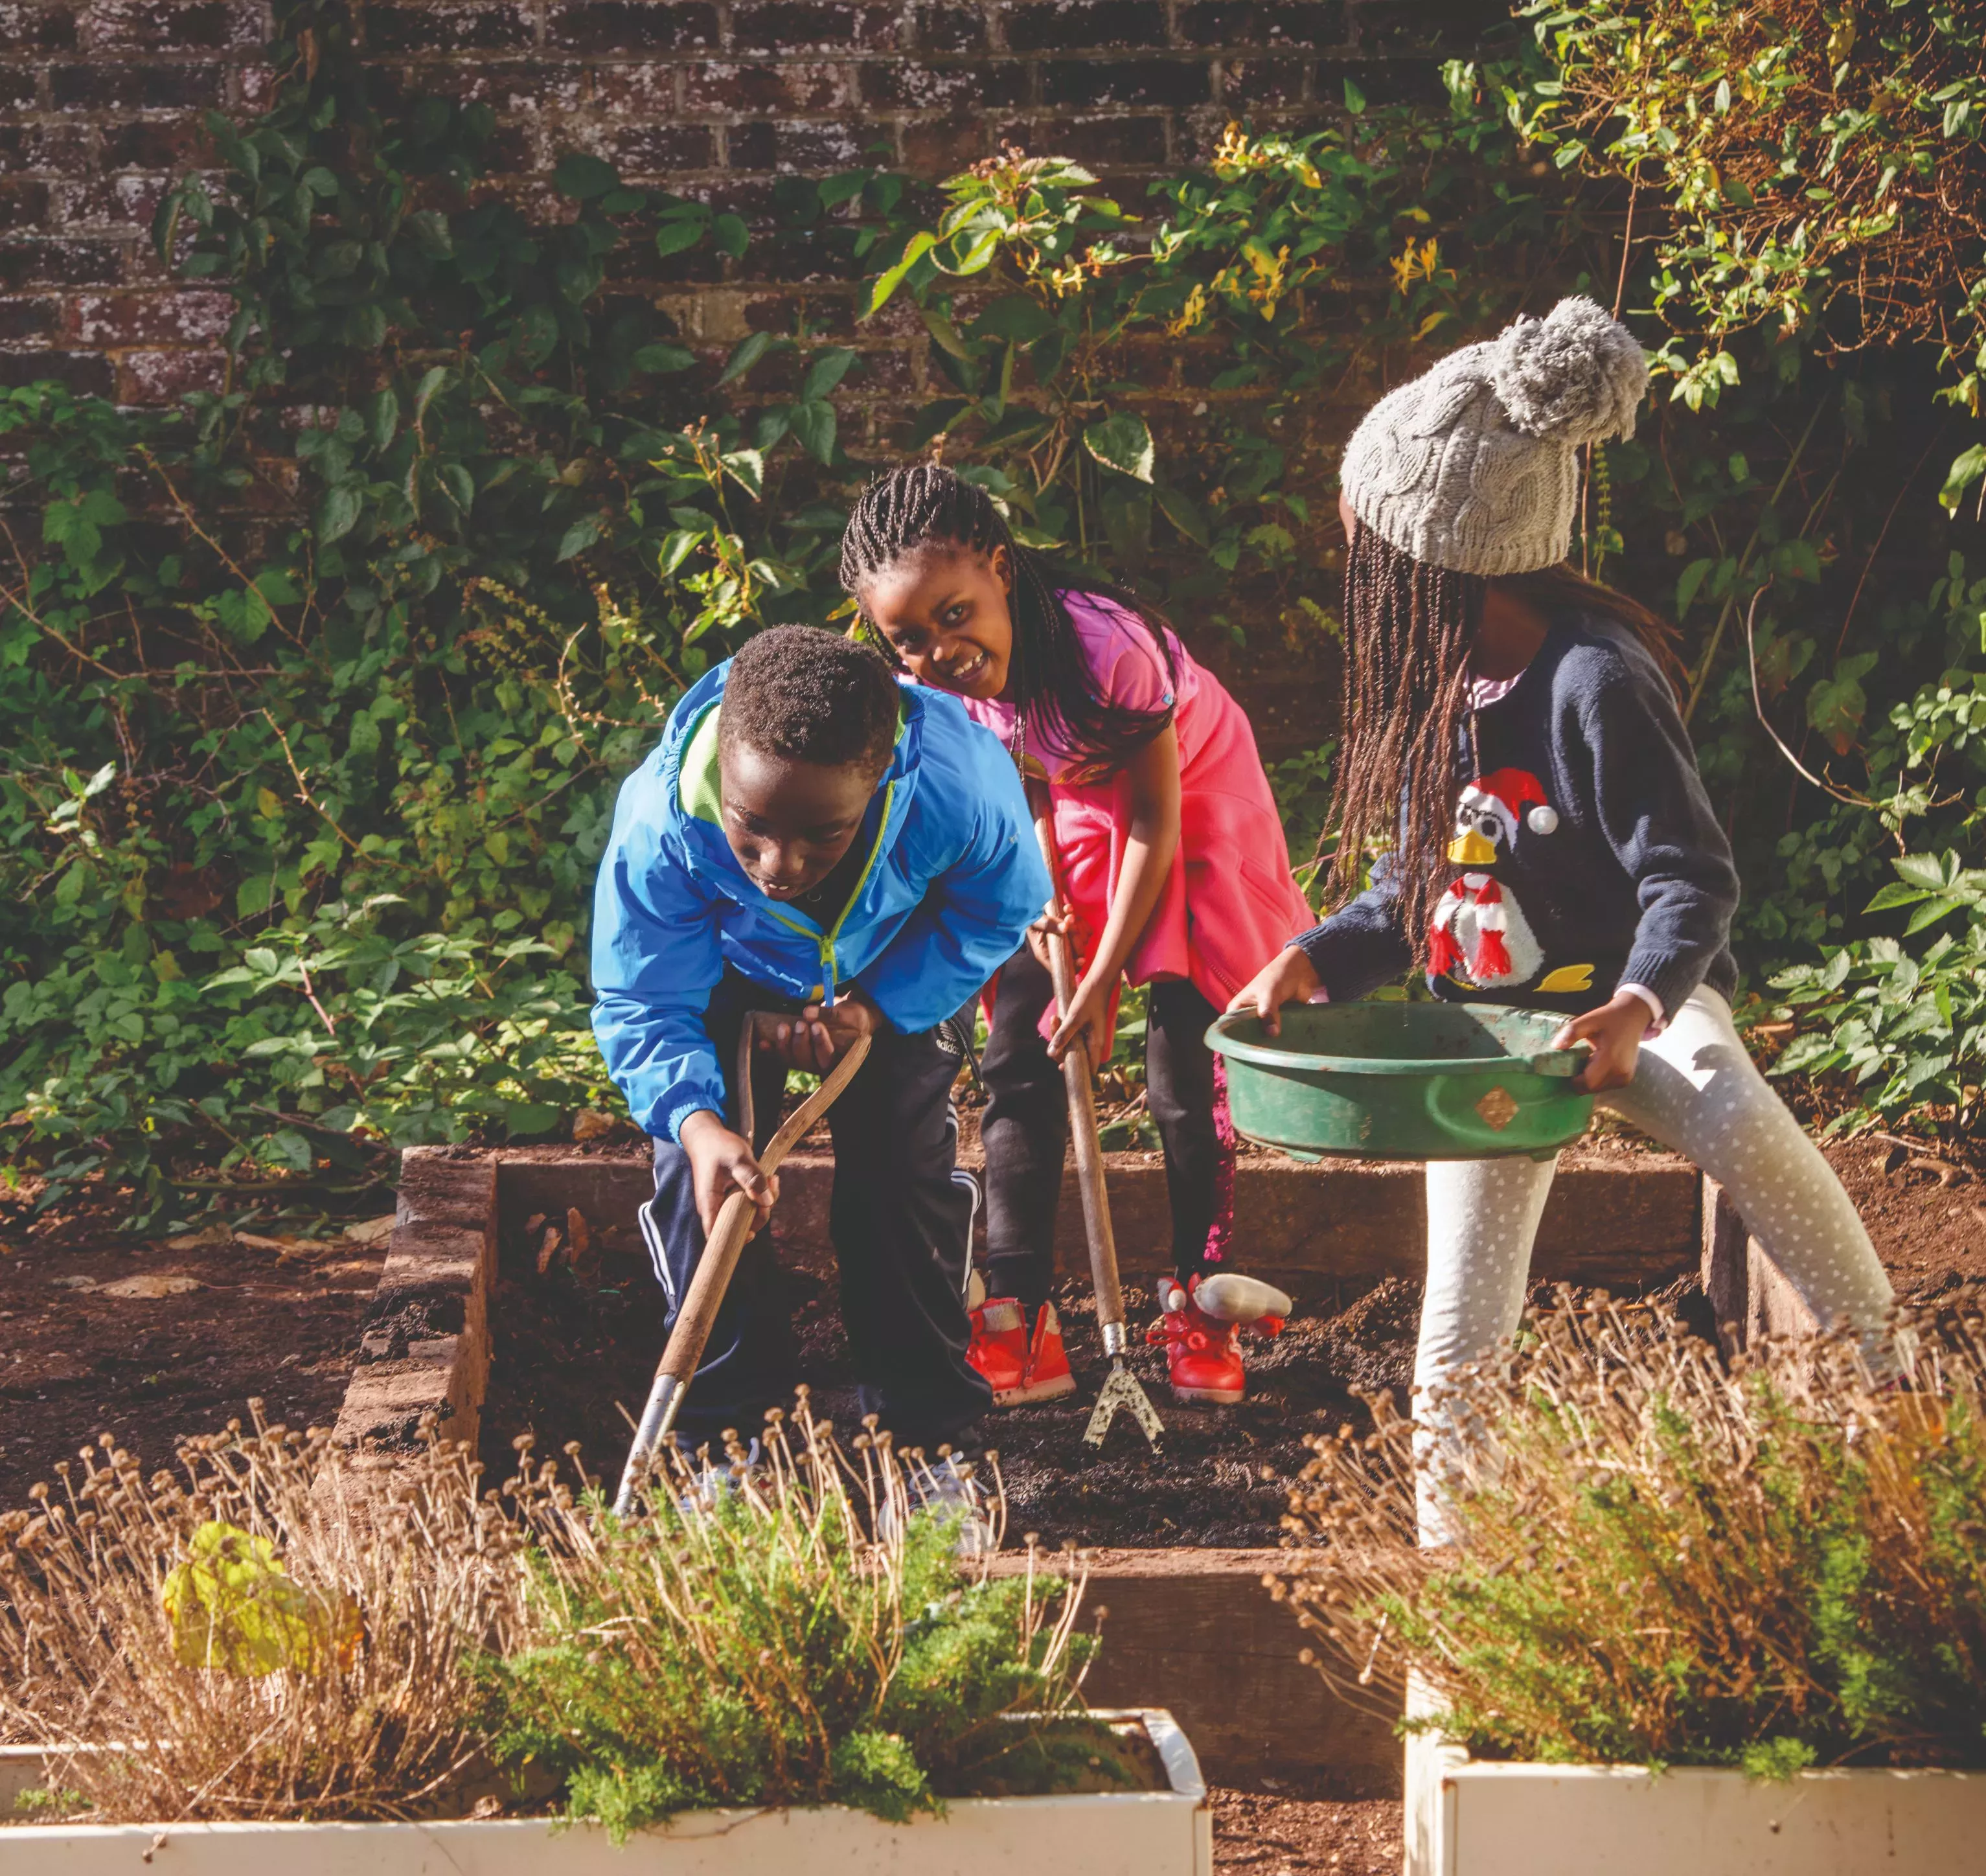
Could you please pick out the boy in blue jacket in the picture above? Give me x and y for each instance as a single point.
(811, 838)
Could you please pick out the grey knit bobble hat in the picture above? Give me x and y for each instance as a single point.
(1474, 465)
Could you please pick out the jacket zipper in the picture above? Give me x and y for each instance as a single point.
(824, 941)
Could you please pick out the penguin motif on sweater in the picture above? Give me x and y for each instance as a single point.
(1480, 937)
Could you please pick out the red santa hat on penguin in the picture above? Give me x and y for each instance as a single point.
(1502, 796)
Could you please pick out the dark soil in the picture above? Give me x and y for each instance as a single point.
(1280, 1831)
(574, 1352)
(279, 1323)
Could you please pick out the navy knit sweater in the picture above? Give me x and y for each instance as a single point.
(1590, 856)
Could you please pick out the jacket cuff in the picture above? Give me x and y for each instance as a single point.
(1672, 977)
(672, 1121)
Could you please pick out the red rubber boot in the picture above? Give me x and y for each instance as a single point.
(1019, 1371)
(1202, 1327)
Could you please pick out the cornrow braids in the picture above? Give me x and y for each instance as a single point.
(1052, 685)
(1409, 630)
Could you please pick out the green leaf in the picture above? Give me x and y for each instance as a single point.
(1014, 319)
(1932, 910)
(432, 381)
(673, 236)
(887, 282)
(731, 236)
(1836, 705)
(945, 335)
(1122, 443)
(746, 467)
(1927, 870)
(338, 514)
(662, 359)
(578, 537)
(1185, 515)
(676, 548)
(1692, 578)
(813, 424)
(745, 354)
(529, 1117)
(583, 177)
(1354, 99)
(828, 369)
(382, 418)
(1889, 898)
(1966, 469)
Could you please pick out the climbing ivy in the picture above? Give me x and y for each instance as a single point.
(316, 689)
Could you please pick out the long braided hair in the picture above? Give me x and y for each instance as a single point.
(1052, 686)
(1409, 628)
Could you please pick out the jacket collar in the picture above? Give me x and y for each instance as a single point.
(688, 773)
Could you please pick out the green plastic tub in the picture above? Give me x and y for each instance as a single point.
(1404, 1081)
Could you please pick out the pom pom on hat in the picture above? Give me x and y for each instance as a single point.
(1474, 465)
(1577, 374)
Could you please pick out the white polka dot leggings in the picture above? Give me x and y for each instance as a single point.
(1697, 1091)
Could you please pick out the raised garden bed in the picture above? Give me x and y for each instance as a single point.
(1473, 1818)
(1165, 1831)
(556, 1322)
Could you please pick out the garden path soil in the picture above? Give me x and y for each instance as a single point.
(77, 1359)
(1281, 1832)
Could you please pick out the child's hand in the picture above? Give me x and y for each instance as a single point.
(1289, 977)
(1615, 1030)
(1056, 919)
(1088, 1022)
(812, 1040)
(720, 1163)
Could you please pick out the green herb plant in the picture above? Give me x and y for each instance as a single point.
(1661, 1562)
(786, 1629)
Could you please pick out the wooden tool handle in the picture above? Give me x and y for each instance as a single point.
(719, 1261)
(733, 1229)
(1077, 1082)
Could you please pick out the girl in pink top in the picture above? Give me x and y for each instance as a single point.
(1172, 871)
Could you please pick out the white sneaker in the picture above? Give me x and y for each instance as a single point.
(943, 1491)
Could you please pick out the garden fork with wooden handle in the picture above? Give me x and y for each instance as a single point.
(1120, 1392)
(721, 1252)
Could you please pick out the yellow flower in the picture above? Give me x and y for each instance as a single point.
(1190, 315)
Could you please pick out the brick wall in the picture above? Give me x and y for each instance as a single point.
(100, 104)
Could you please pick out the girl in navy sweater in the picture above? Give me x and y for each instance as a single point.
(1511, 736)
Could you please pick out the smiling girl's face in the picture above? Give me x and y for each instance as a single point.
(944, 611)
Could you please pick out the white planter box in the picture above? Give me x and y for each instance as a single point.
(1473, 1817)
(1112, 1834)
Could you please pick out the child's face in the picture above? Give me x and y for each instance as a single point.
(943, 611)
(789, 823)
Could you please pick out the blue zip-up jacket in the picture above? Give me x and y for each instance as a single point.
(953, 878)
